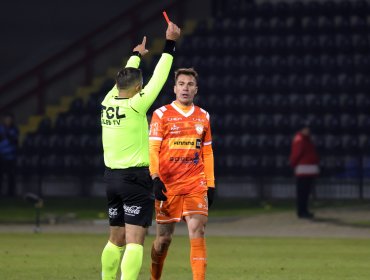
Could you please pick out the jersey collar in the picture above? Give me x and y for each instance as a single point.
(187, 114)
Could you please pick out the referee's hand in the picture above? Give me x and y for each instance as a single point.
(159, 189)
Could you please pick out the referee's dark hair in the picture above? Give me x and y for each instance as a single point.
(186, 71)
(128, 77)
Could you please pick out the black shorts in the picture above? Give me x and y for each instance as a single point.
(130, 196)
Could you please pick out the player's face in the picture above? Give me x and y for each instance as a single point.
(185, 89)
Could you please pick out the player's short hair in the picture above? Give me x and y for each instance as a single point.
(128, 77)
(186, 71)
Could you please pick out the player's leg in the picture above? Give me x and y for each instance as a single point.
(138, 207)
(112, 253)
(162, 242)
(197, 204)
(133, 257)
(113, 250)
(168, 213)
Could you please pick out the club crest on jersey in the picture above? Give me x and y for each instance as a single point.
(199, 128)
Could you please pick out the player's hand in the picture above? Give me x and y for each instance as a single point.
(210, 195)
(172, 32)
(159, 189)
(141, 48)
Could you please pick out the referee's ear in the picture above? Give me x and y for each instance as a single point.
(139, 87)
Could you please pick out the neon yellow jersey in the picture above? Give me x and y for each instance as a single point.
(124, 122)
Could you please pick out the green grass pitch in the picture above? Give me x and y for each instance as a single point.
(77, 256)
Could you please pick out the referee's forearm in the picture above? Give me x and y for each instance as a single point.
(170, 47)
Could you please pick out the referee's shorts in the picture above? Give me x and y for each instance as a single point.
(130, 196)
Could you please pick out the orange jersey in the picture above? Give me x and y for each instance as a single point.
(182, 138)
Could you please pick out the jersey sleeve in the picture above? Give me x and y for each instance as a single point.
(296, 150)
(155, 141)
(141, 102)
(208, 158)
(133, 61)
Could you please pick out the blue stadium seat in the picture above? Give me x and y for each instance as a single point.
(56, 144)
(231, 123)
(281, 104)
(311, 44)
(248, 123)
(297, 104)
(331, 103)
(333, 124)
(346, 82)
(249, 103)
(268, 166)
(266, 144)
(296, 82)
(314, 103)
(348, 104)
(249, 166)
(266, 124)
(282, 124)
(333, 145)
(249, 144)
(283, 144)
(232, 143)
(364, 123)
(349, 124)
(351, 146)
(344, 43)
(328, 63)
(282, 168)
(45, 126)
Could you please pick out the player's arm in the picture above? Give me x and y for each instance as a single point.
(134, 62)
(142, 102)
(155, 142)
(139, 51)
(208, 161)
(296, 151)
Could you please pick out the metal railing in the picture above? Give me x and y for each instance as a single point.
(82, 53)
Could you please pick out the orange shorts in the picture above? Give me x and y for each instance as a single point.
(176, 207)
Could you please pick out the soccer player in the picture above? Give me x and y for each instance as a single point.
(129, 187)
(181, 165)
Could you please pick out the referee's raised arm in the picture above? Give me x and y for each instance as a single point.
(149, 93)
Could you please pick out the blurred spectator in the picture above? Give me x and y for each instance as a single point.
(8, 152)
(304, 159)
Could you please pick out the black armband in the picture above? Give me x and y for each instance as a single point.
(137, 54)
(169, 47)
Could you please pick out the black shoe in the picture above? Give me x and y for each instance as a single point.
(307, 215)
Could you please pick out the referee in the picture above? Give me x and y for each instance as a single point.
(126, 155)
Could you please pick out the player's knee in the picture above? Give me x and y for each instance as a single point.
(196, 231)
(164, 242)
(117, 236)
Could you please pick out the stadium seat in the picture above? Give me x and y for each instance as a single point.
(349, 124)
(282, 124)
(333, 124)
(282, 167)
(266, 124)
(333, 145)
(249, 144)
(351, 146)
(283, 144)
